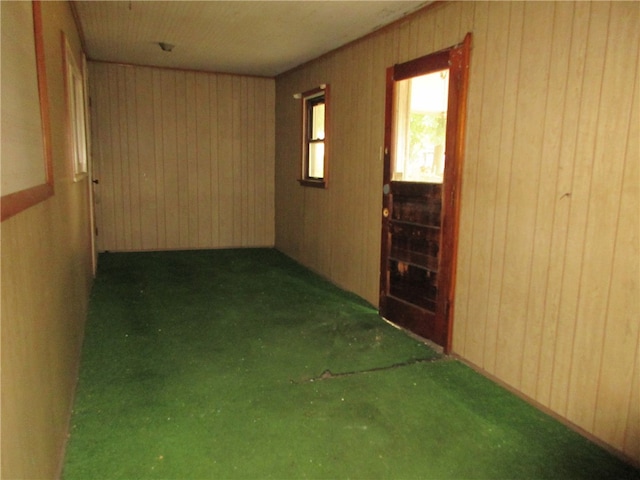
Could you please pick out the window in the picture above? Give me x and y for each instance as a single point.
(76, 113)
(421, 121)
(314, 121)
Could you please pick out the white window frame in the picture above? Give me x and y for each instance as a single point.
(75, 93)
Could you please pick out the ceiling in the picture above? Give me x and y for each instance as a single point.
(245, 37)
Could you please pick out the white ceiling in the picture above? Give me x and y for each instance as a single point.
(245, 37)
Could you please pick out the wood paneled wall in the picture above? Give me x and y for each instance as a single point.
(548, 294)
(550, 265)
(45, 283)
(184, 159)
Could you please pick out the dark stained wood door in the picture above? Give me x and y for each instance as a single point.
(420, 210)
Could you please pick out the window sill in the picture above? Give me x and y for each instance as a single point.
(313, 183)
(80, 176)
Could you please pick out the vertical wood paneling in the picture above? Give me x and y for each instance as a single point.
(125, 148)
(448, 33)
(250, 122)
(101, 132)
(182, 163)
(558, 327)
(599, 180)
(225, 164)
(545, 265)
(45, 284)
(133, 174)
(169, 135)
(603, 216)
(146, 154)
(185, 159)
(467, 20)
(288, 198)
(622, 329)
(210, 131)
(486, 258)
(236, 165)
(530, 186)
(501, 305)
(371, 110)
(192, 185)
(116, 168)
(158, 128)
(403, 39)
(204, 161)
(548, 290)
(572, 289)
(631, 442)
(470, 335)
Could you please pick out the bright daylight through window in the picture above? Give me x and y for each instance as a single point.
(421, 104)
(76, 111)
(314, 164)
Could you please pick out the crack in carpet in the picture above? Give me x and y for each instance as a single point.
(328, 374)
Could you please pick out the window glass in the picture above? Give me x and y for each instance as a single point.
(314, 165)
(317, 122)
(316, 160)
(421, 121)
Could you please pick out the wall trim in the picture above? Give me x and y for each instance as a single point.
(179, 69)
(544, 409)
(16, 202)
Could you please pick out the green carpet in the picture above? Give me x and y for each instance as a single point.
(242, 364)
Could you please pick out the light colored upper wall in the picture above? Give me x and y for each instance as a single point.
(45, 282)
(184, 159)
(548, 291)
(549, 267)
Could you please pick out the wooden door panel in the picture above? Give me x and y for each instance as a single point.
(415, 244)
(413, 284)
(417, 320)
(414, 234)
(417, 203)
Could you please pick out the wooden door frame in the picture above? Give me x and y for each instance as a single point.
(456, 58)
(90, 180)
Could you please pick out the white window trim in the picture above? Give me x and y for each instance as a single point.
(75, 93)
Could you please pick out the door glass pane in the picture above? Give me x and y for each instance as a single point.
(420, 128)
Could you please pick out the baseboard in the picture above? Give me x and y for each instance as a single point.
(576, 428)
(186, 249)
(76, 376)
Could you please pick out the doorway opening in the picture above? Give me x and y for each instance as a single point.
(424, 138)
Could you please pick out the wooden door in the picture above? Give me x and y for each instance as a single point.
(424, 122)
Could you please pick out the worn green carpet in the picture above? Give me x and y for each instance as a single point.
(242, 364)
